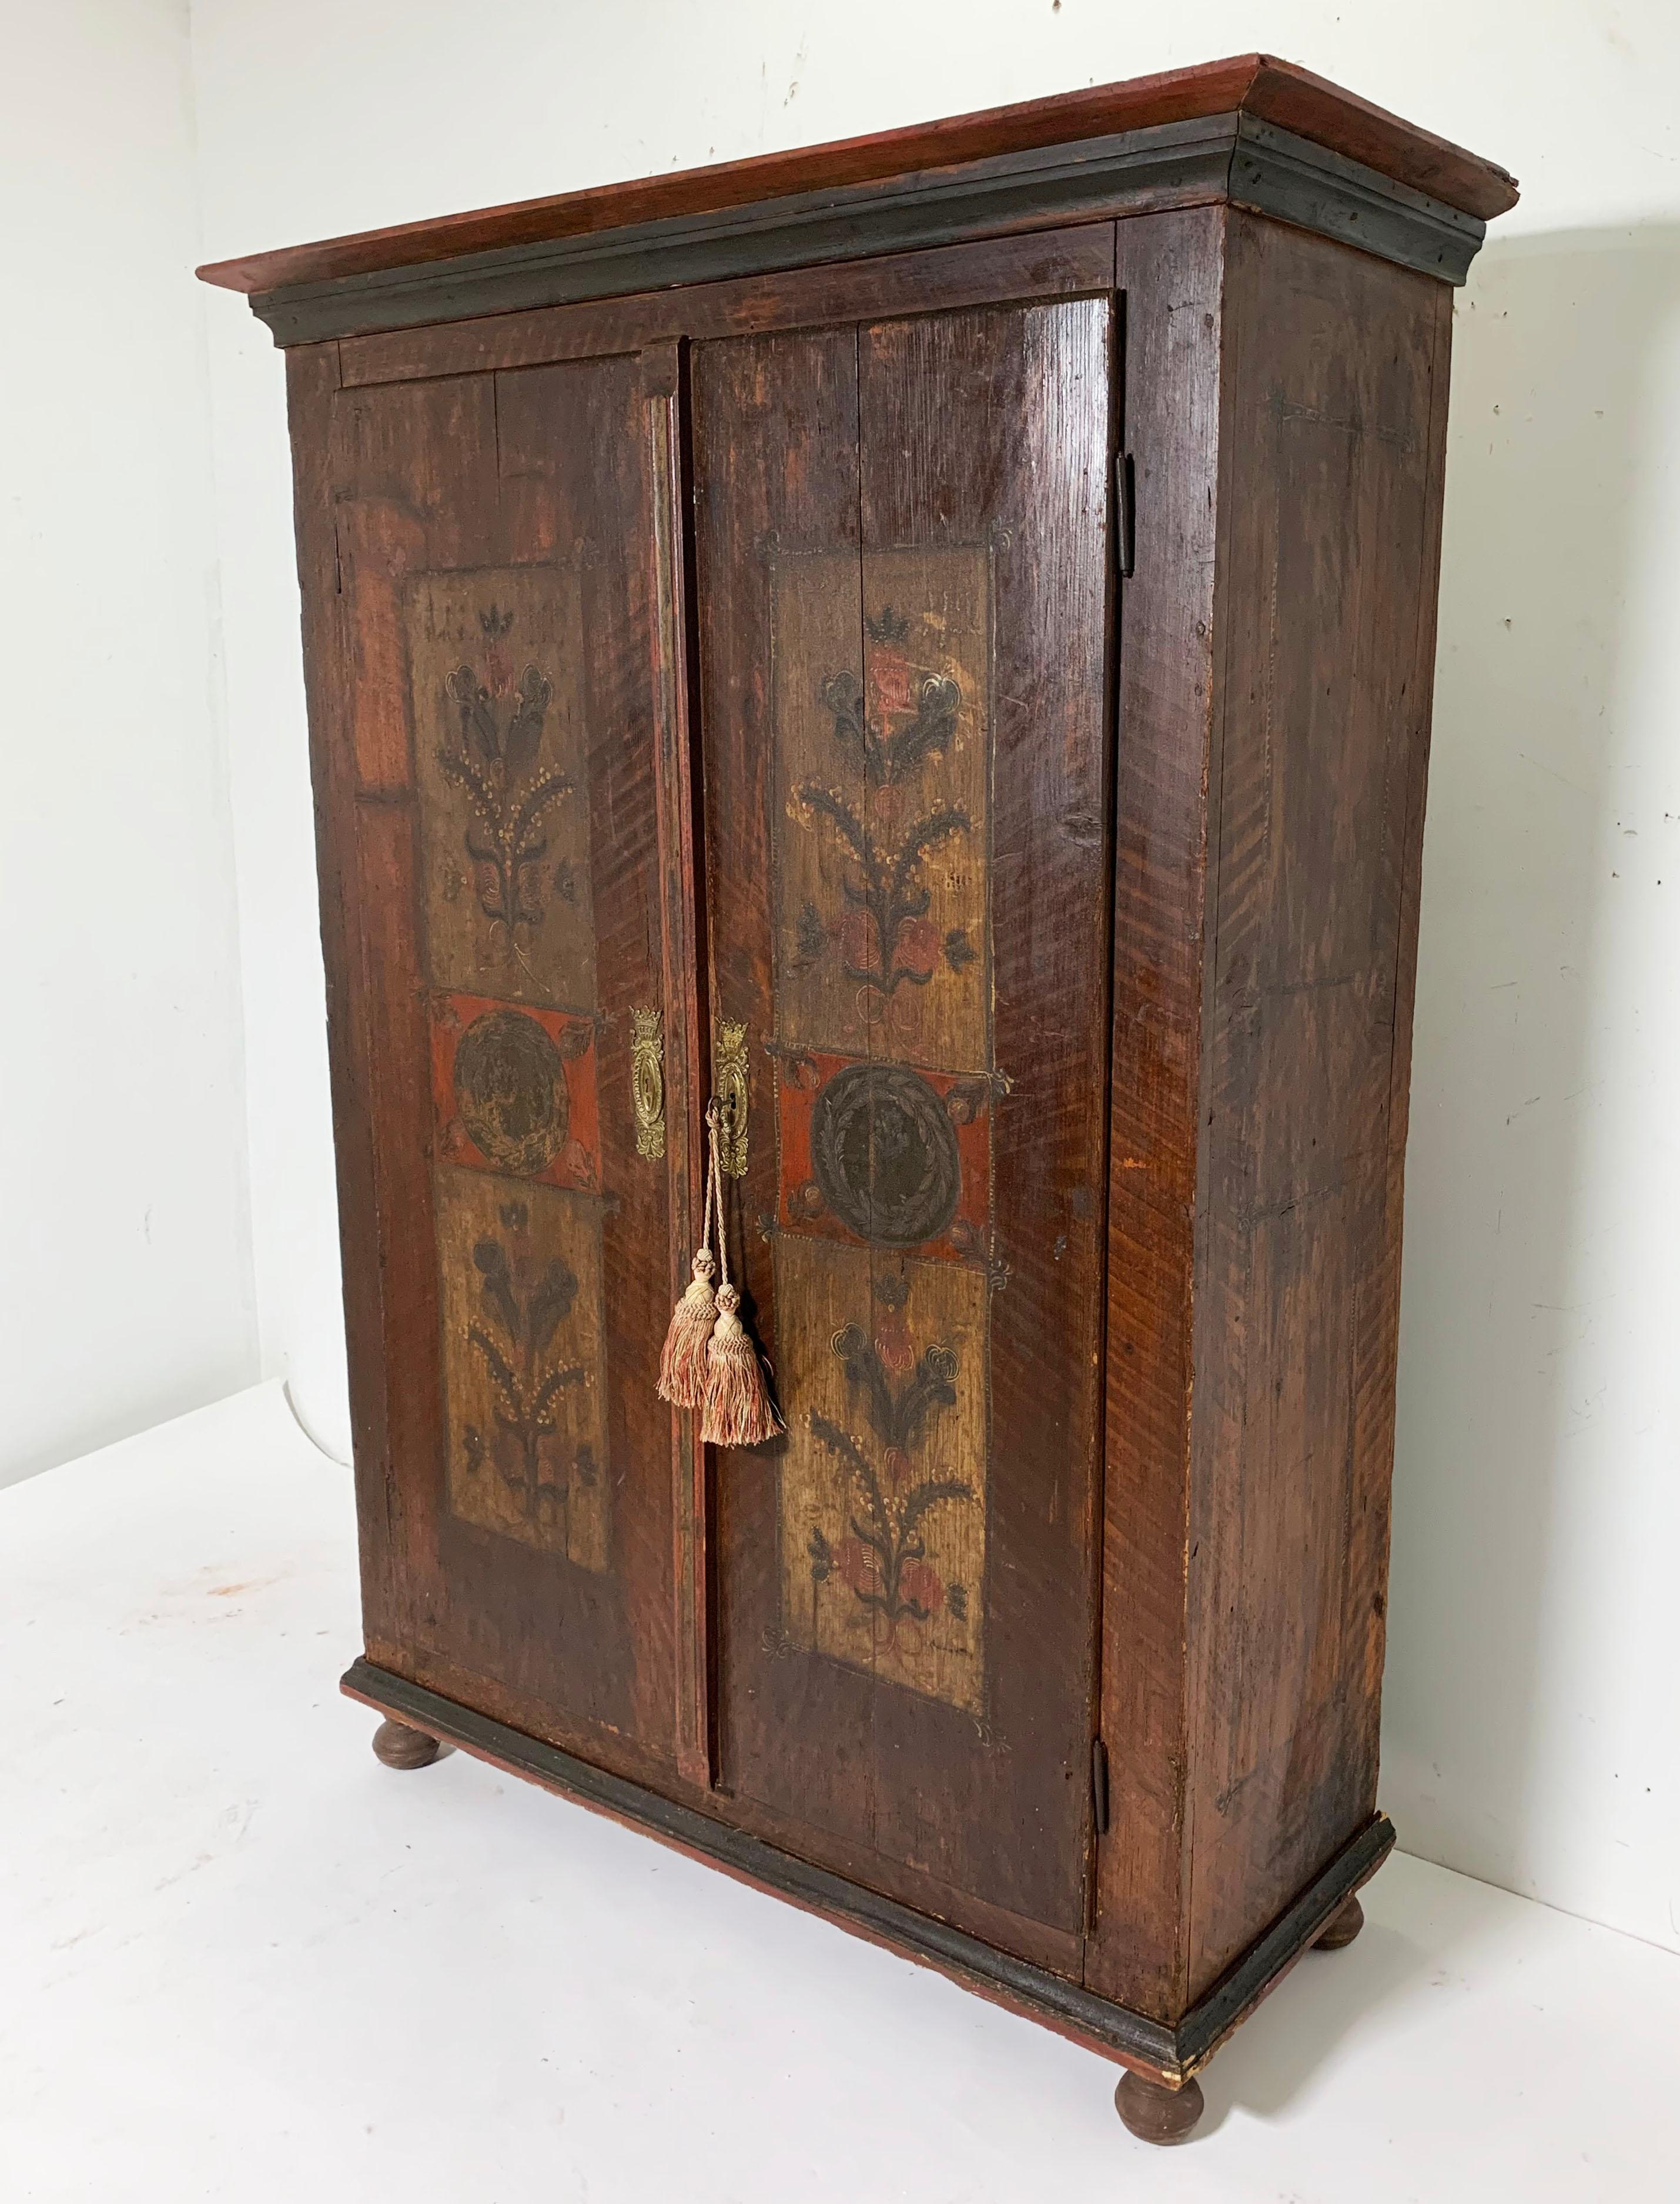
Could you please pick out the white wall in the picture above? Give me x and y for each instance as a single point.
(1531, 1734)
(125, 1293)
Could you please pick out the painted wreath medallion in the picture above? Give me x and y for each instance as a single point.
(884, 1152)
(510, 1089)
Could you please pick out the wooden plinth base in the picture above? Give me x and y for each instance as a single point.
(399, 1746)
(1344, 1927)
(1155, 2113)
(1171, 2052)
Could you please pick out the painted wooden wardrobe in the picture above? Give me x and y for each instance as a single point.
(926, 642)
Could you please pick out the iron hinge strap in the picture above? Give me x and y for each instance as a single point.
(1126, 513)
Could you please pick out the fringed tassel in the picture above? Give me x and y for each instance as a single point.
(737, 1408)
(682, 1367)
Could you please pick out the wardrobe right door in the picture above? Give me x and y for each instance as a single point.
(903, 568)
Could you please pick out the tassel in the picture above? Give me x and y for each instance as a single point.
(737, 1410)
(682, 1367)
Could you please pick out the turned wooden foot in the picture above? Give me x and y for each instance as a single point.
(399, 1746)
(1155, 2113)
(1343, 1927)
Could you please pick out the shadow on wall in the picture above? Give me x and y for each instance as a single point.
(1527, 1241)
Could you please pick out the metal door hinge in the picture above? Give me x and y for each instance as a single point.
(1100, 1786)
(1126, 513)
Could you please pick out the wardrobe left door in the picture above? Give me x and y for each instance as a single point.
(494, 677)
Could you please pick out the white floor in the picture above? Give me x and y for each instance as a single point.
(240, 1960)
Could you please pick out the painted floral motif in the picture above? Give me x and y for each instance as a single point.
(881, 888)
(903, 1393)
(862, 721)
(885, 937)
(495, 762)
(524, 1308)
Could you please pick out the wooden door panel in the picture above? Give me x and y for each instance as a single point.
(775, 476)
(903, 564)
(504, 649)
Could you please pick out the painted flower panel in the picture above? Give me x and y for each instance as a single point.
(883, 1516)
(881, 804)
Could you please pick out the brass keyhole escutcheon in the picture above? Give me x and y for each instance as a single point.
(729, 1084)
(647, 1080)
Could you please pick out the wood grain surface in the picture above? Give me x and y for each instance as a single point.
(1170, 273)
(493, 539)
(1044, 264)
(1334, 421)
(1283, 412)
(1253, 84)
(715, 1832)
(802, 445)
(759, 653)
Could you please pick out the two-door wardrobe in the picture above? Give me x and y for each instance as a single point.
(924, 645)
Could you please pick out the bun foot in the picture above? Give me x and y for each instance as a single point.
(1155, 2113)
(399, 1746)
(1342, 1929)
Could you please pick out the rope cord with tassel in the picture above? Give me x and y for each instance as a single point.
(682, 1365)
(737, 1410)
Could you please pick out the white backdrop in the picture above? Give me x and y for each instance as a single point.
(1532, 1736)
(125, 1291)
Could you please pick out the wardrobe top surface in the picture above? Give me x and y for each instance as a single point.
(1253, 84)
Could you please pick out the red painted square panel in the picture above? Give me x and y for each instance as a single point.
(884, 1155)
(514, 1088)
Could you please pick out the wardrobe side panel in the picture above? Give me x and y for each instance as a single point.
(1170, 273)
(313, 377)
(1334, 408)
